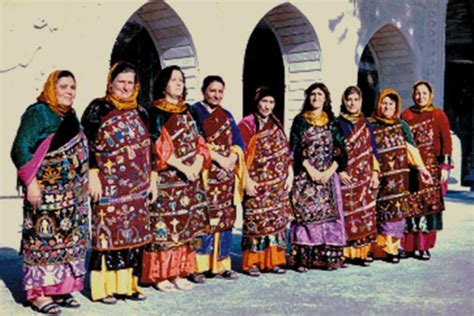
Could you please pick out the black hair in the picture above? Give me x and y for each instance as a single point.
(210, 79)
(161, 81)
(327, 103)
(66, 73)
(349, 90)
(123, 67)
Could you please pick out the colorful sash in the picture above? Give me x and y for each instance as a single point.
(358, 199)
(428, 199)
(313, 202)
(222, 211)
(393, 201)
(269, 211)
(180, 213)
(57, 231)
(120, 219)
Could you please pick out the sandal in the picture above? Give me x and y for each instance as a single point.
(255, 272)
(137, 297)
(228, 275)
(50, 308)
(302, 269)
(67, 301)
(182, 284)
(425, 255)
(277, 270)
(109, 300)
(198, 278)
(165, 286)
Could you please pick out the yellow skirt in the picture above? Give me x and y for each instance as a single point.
(106, 283)
(211, 262)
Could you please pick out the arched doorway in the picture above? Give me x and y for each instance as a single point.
(155, 37)
(459, 81)
(368, 81)
(387, 61)
(283, 51)
(263, 66)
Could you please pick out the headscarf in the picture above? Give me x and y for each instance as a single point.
(261, 93)
(377, 115)
(131, 101)
(353, 118)
(316, 120)
(166, 106)
(429, 106)
(48, 95)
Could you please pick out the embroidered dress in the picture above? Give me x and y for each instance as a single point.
(358, 199)
(120, 149)
(431, 134)
(396, 154)
(317, 234)
(53, 149)
(267, 214)
(180, 213)
(222, 135)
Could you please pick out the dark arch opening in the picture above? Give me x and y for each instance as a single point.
(134, 45)
(458, 80)
(263, 65)
(368, 81)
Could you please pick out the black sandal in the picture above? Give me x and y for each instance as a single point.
(301, 269)
(228, 275)
(46, 308)
(109, 300)
(67, 301)
(277, 270)
(255, 272)
(136, 297)
(198, 278)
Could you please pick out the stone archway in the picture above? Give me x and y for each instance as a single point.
(300, 53)
(156, 26)
(388, 55)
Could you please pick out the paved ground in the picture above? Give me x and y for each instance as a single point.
(442, 286)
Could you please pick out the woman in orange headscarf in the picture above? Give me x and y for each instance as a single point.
(431, 133)
(50, 152)
(396, 154)
(120, 160)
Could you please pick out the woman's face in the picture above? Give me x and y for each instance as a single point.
(353, 103)
(214, 93)
(175, 86)
(317, 99)
(388, 107)
(266, 105)
(422, 95)
(122, 86)
(65, 89)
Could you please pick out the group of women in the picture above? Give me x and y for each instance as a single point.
(165, 181)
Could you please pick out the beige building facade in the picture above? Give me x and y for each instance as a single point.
(333, 41)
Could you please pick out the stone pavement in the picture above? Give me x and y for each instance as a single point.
(442, 286)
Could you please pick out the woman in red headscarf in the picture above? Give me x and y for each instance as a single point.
(50, 152)
(266, 204)
(431, 133)
(396, 154)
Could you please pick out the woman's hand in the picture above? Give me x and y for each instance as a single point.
(345, 178)
(444, 175)
(425, 175)
(289, 180)
(374, 181)
(95, 187)
(153, 191)
(227, 163)
(33, 193)
(251, 187)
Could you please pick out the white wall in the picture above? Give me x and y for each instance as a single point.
(37, 38)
